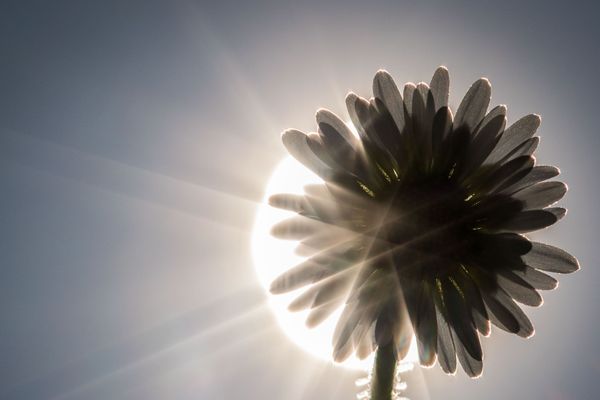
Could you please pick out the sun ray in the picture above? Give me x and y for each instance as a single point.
(190, 329)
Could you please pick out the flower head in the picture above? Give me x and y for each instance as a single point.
(418, 224)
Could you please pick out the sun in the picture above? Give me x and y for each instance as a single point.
(273, 256)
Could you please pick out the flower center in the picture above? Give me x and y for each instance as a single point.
(433, 218)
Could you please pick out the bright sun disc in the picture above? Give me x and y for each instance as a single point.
(272, 257)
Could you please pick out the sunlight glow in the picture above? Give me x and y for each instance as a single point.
(274, 256)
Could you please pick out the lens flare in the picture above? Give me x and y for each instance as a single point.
(273, 256)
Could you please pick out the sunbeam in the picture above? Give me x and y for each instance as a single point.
(272, 257)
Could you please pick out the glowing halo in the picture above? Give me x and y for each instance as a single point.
(273, 256)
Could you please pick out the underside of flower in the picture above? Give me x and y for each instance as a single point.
(418, 224)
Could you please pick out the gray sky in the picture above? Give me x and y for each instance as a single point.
(136, 139)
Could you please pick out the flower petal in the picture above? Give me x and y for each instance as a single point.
(446, 354)
(421, 308)
(483, 143)
(442, 126)
(321, 313)
(526, 148)
(351, 100)
(295, 228)
(297, 145)
(549, 258)
(472, 366)
(383, 127)
(499, 315)
(330, 121)
(471, 292)
(501, 306)
(317, 146)
(365, 346)
(408, 92)
(518, 288)
(537, 174)
(287, 201)
(341, 151)
(403, 333)
(334, 287)
(366, 120)
(453, 151)
(535, 278)
(473, 106)
(429, 109)
(459, 318)
(541, 194)
(354, 315)
(558, 212)
(494, 113)
(422, 124)
(531, 220)
(440, 87)
(299, 276)
(504, 175)
(385, 89)
(514, 135)
(393, 323)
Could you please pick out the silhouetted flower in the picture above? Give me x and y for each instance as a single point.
(417, 227)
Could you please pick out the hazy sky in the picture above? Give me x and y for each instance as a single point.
(136, 138)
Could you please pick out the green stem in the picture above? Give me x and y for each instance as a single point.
(382, 379)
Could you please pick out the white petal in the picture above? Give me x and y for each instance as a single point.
(440, 87)
(473, 106)
(385, 89)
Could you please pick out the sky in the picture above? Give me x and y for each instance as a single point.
(136, 142)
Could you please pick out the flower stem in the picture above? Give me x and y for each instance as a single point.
(382, 379)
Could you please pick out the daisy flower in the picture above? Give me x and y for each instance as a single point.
(418, 227)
